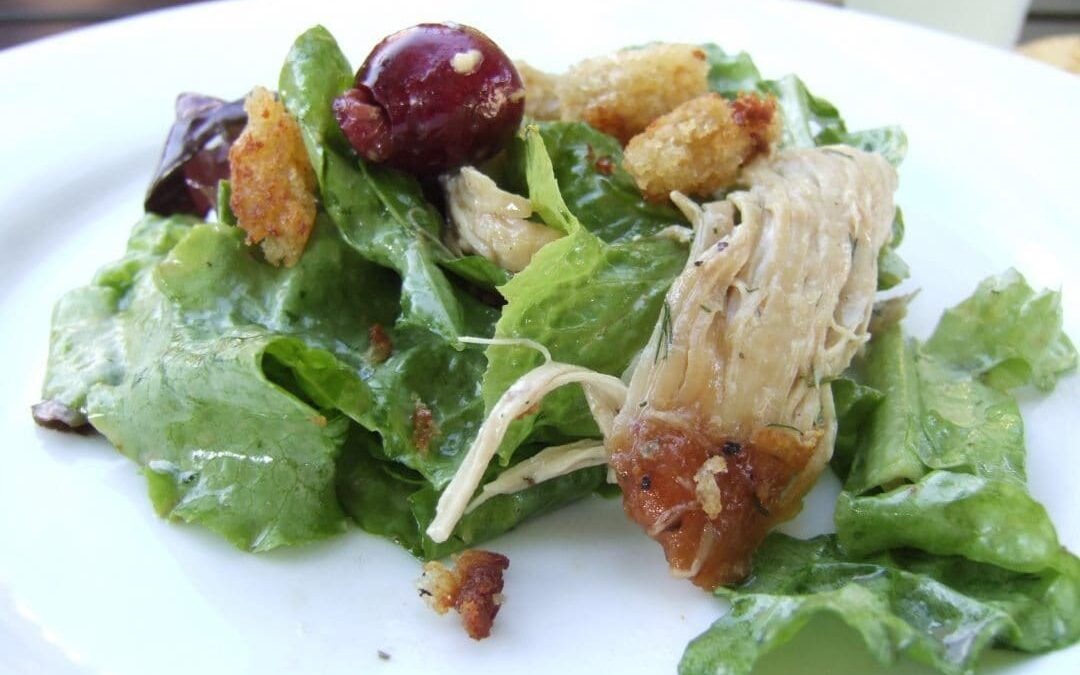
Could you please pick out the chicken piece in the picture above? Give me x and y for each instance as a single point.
(473, 588)
(492, 222)
(700, 146)
(622, 93)
(541, 101)
(273, 184)
(729, 419)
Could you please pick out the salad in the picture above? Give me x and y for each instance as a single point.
(274, 394)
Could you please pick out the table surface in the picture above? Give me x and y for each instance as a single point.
(25, 20)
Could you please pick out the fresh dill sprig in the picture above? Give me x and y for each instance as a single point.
(665, 334)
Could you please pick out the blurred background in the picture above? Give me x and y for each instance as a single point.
(1049, 29)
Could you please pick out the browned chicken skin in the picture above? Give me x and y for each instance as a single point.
(665, 474)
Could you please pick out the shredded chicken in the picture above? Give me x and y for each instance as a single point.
(493, 223)
(473, 588)
(734, 414)
(273, 184)
(541, 99)
(700, 146)
(547, 464)
(622, 93)
(604, 394)
(728, 418)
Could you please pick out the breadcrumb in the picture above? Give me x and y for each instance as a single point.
(473, 588)
(700, 146)
(622, 93)
(424, 427)
(273, 184)
(541, 100)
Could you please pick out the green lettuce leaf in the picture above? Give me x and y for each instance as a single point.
(854, 403)
(395, 503)
(944, 405)
(234, 383)
(940, 611)
(587, 165)
(1006, 334)
(590, 303)
(952, 513)
(543, 187)
(939, 465)
(86, 339)
(179, 381)
(809, 120)
(891, 267)
(933, 417)
(330, 301)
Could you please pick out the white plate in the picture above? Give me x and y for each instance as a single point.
(91, 581)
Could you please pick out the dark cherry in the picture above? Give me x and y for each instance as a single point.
(432, 98)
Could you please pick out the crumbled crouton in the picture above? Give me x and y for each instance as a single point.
(622, 93)
(273, 184)
(424, 427)
(700, 146)
(473, 588)
(541, 101)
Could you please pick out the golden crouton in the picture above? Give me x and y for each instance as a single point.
(473, 588)
(622, 93)
(700, 146)
(541, 101)
(273, 184)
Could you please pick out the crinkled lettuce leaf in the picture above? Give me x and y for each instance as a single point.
(85, 341)
(1006, 334)
(942, 611)
(945, 403)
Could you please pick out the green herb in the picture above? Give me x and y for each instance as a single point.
(664, 343)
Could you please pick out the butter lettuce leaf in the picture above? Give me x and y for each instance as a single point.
(945, 404)
(932, 417)
(591, 304)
